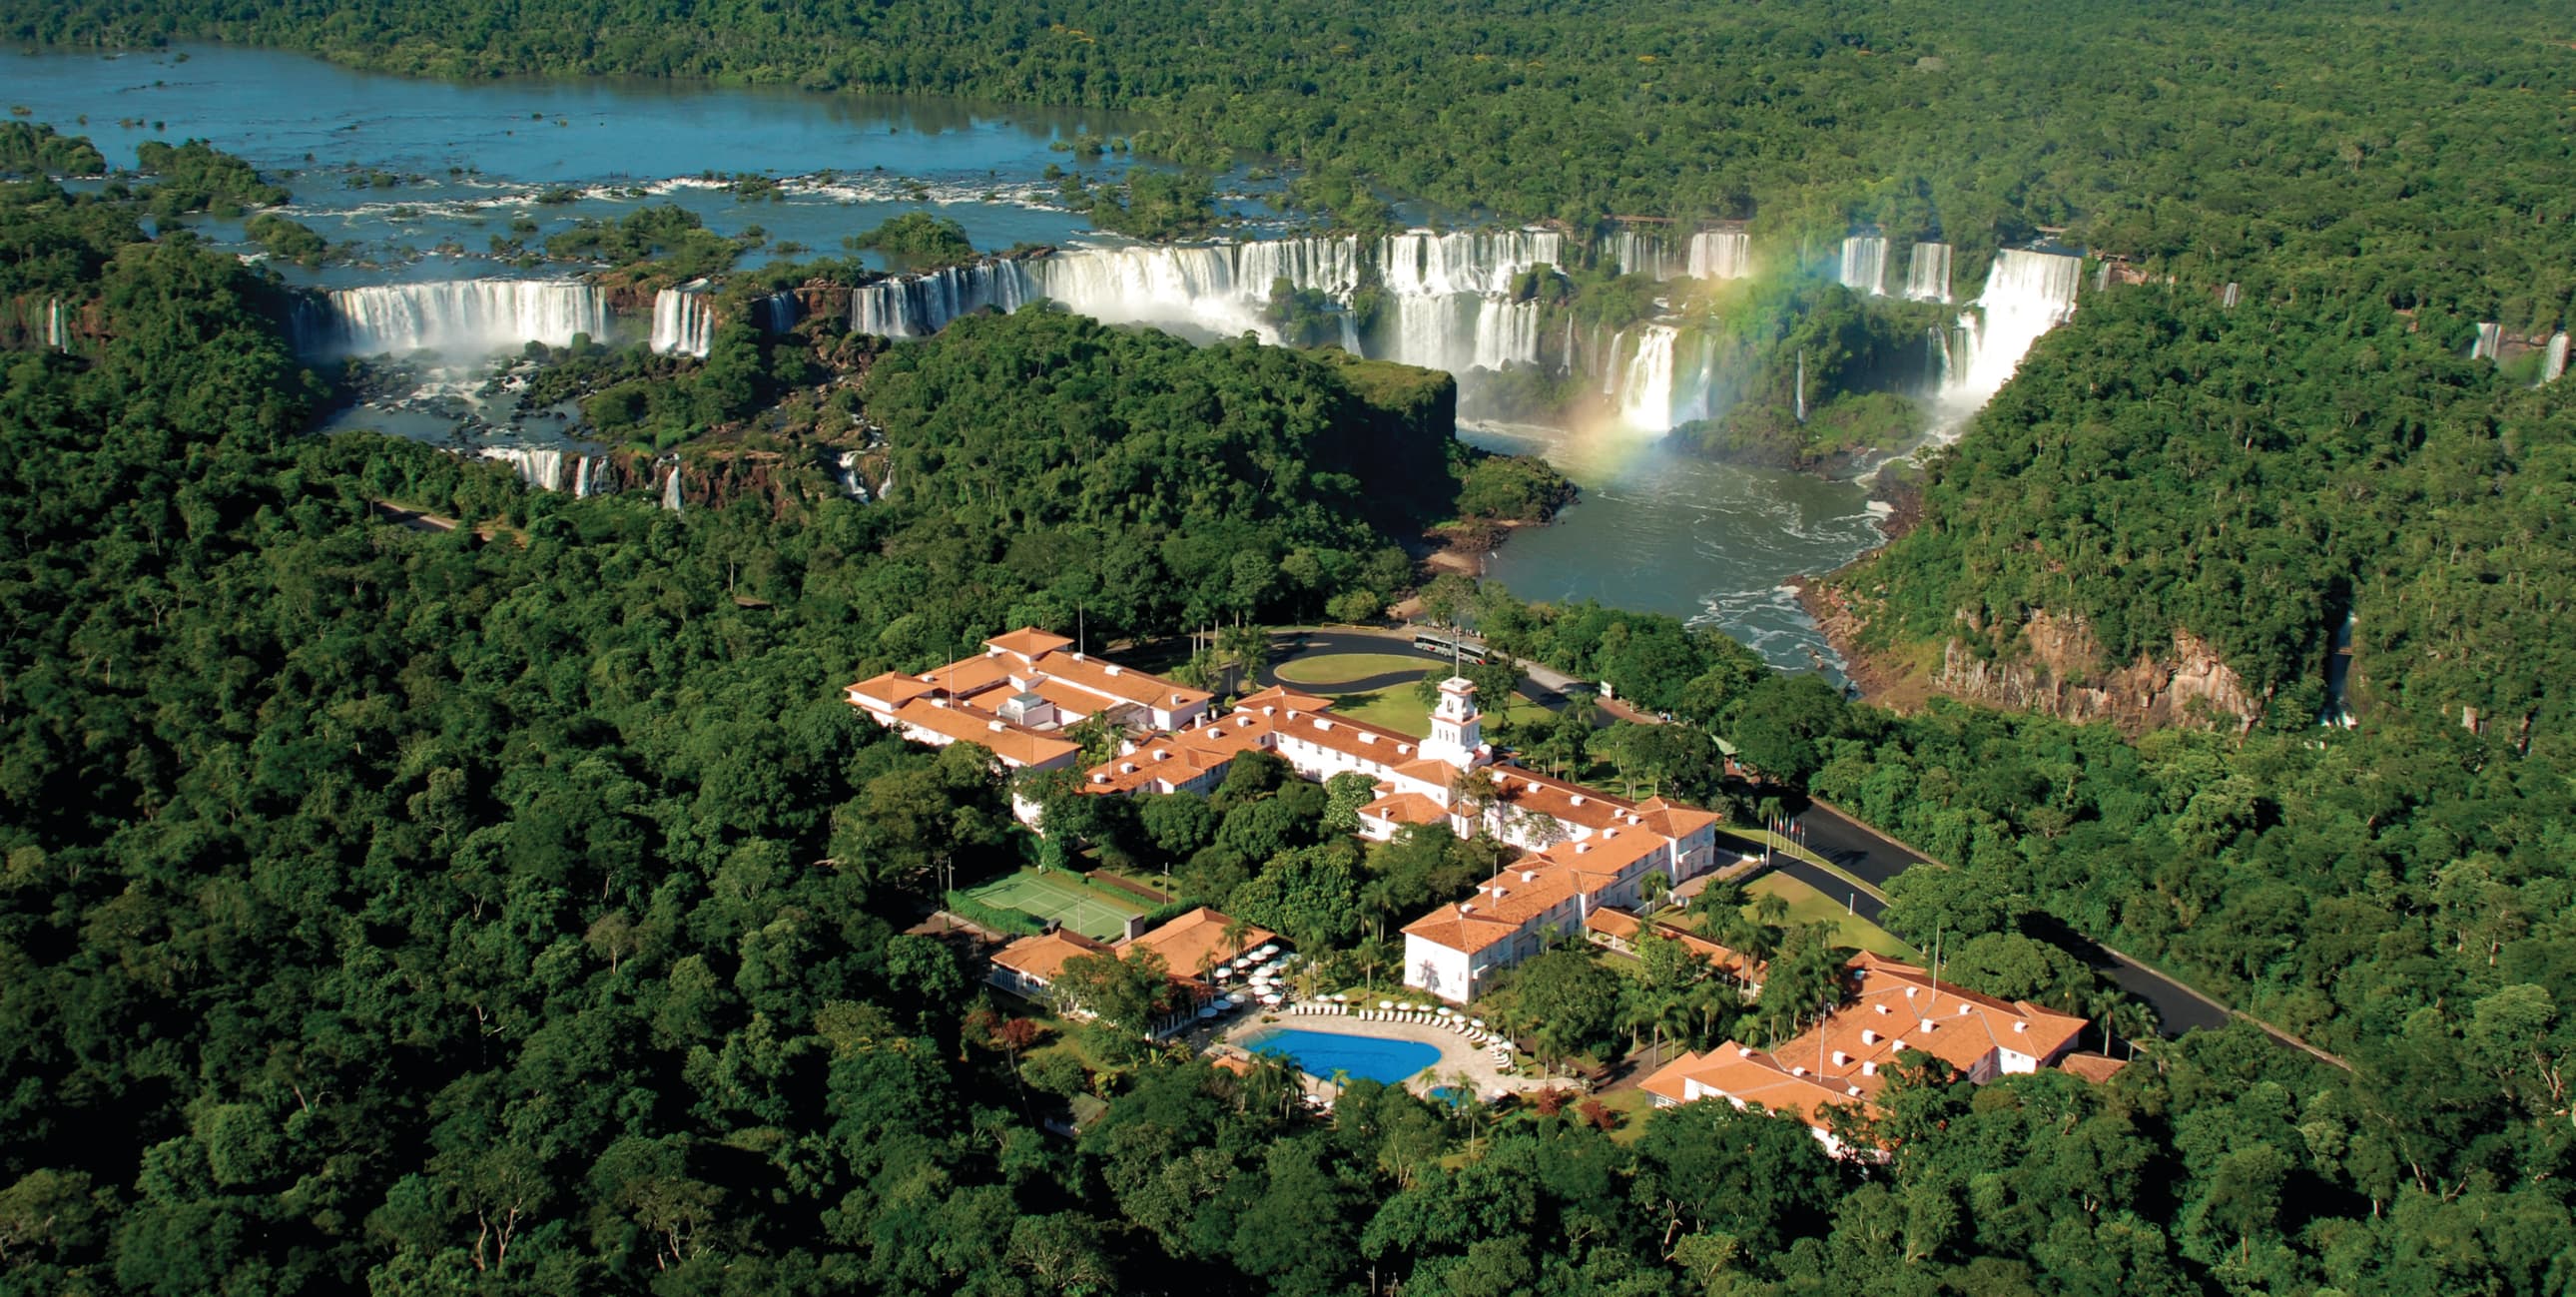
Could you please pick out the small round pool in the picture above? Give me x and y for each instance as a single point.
(1320, 1054)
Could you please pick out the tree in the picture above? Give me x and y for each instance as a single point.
(1568, 1001)
(1128, 993)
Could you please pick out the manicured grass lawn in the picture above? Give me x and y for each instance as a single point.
(1397, 709)
(1807, 905)
(1334, 668)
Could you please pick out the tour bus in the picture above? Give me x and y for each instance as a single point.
(1440, 641)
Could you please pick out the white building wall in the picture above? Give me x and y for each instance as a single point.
(1430, 966)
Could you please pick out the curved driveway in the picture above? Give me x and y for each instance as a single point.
(1849, 844)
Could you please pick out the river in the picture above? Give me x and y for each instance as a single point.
(1656, 530)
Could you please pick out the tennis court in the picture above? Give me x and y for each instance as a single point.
(1094, 912)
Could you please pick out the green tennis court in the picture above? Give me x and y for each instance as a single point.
(1045, 894)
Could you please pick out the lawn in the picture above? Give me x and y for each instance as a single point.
(1335, 668)
(1397, 709)
(1096, 912)
(1807, 905)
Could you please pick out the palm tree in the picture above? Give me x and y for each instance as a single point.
(1653, 889)
(1246, 650)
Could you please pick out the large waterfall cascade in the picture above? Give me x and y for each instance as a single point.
(1638, 254)
(2027, 294)
(1721, 254)
(462, 316)
(684, 320)
(546, 469)
(671, 486)
(1864, 264)
(1927, 273)
(916, 306)
(2553, 362)
(1449, 293)
(2490, 343)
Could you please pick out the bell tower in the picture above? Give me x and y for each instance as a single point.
(1457, 730)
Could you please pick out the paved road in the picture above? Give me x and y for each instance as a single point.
(1875, 860)
(1849, 844)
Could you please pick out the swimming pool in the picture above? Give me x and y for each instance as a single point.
(1319, 1054)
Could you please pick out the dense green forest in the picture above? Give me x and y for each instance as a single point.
(2250, 476)
(2418, 150)
(517, 908)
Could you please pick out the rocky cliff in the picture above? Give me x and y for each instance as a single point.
(2049, 664)
(2055, 666)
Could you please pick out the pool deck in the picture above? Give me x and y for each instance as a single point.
(1457, 1053)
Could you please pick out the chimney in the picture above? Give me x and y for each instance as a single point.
(1929, 1026)
(1841, 1058)
(1868, 1037)
(1578, 799)
(1529, 875)
(2019, 1025)
(1869, 1069)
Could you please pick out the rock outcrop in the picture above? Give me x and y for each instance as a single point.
(2056, 668)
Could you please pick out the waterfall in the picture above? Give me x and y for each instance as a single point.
(1569, 342)
(1419, 262)
(776, 313)
(473, 316)
(916, 306)
(1694, 397)
(1195, 286)
(1320, 265)
(2554, 361)
(1927, 273)
(1506, 334)
(1721, 254)
(1864, 265)
(542, 469)
(2027, 294)
(671, 486)
(1638, 254)
(1447, 302)
(2227, 298)
(54, 330)
(1645, 388)
(848, 473)
(2490, 343)
(683, 322)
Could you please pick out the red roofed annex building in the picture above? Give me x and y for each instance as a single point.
(1019, 696)
(1191, 947)
(1842, 1061)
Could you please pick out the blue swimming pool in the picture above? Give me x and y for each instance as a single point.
(1319, 1054)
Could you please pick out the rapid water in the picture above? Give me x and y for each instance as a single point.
(1927, 273)
(1721, 254)
(1864, 265)
(2553, 362)
(1661, 530)
(461, 318)
(2490, 343)
(2027, 294)
(684, 324)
